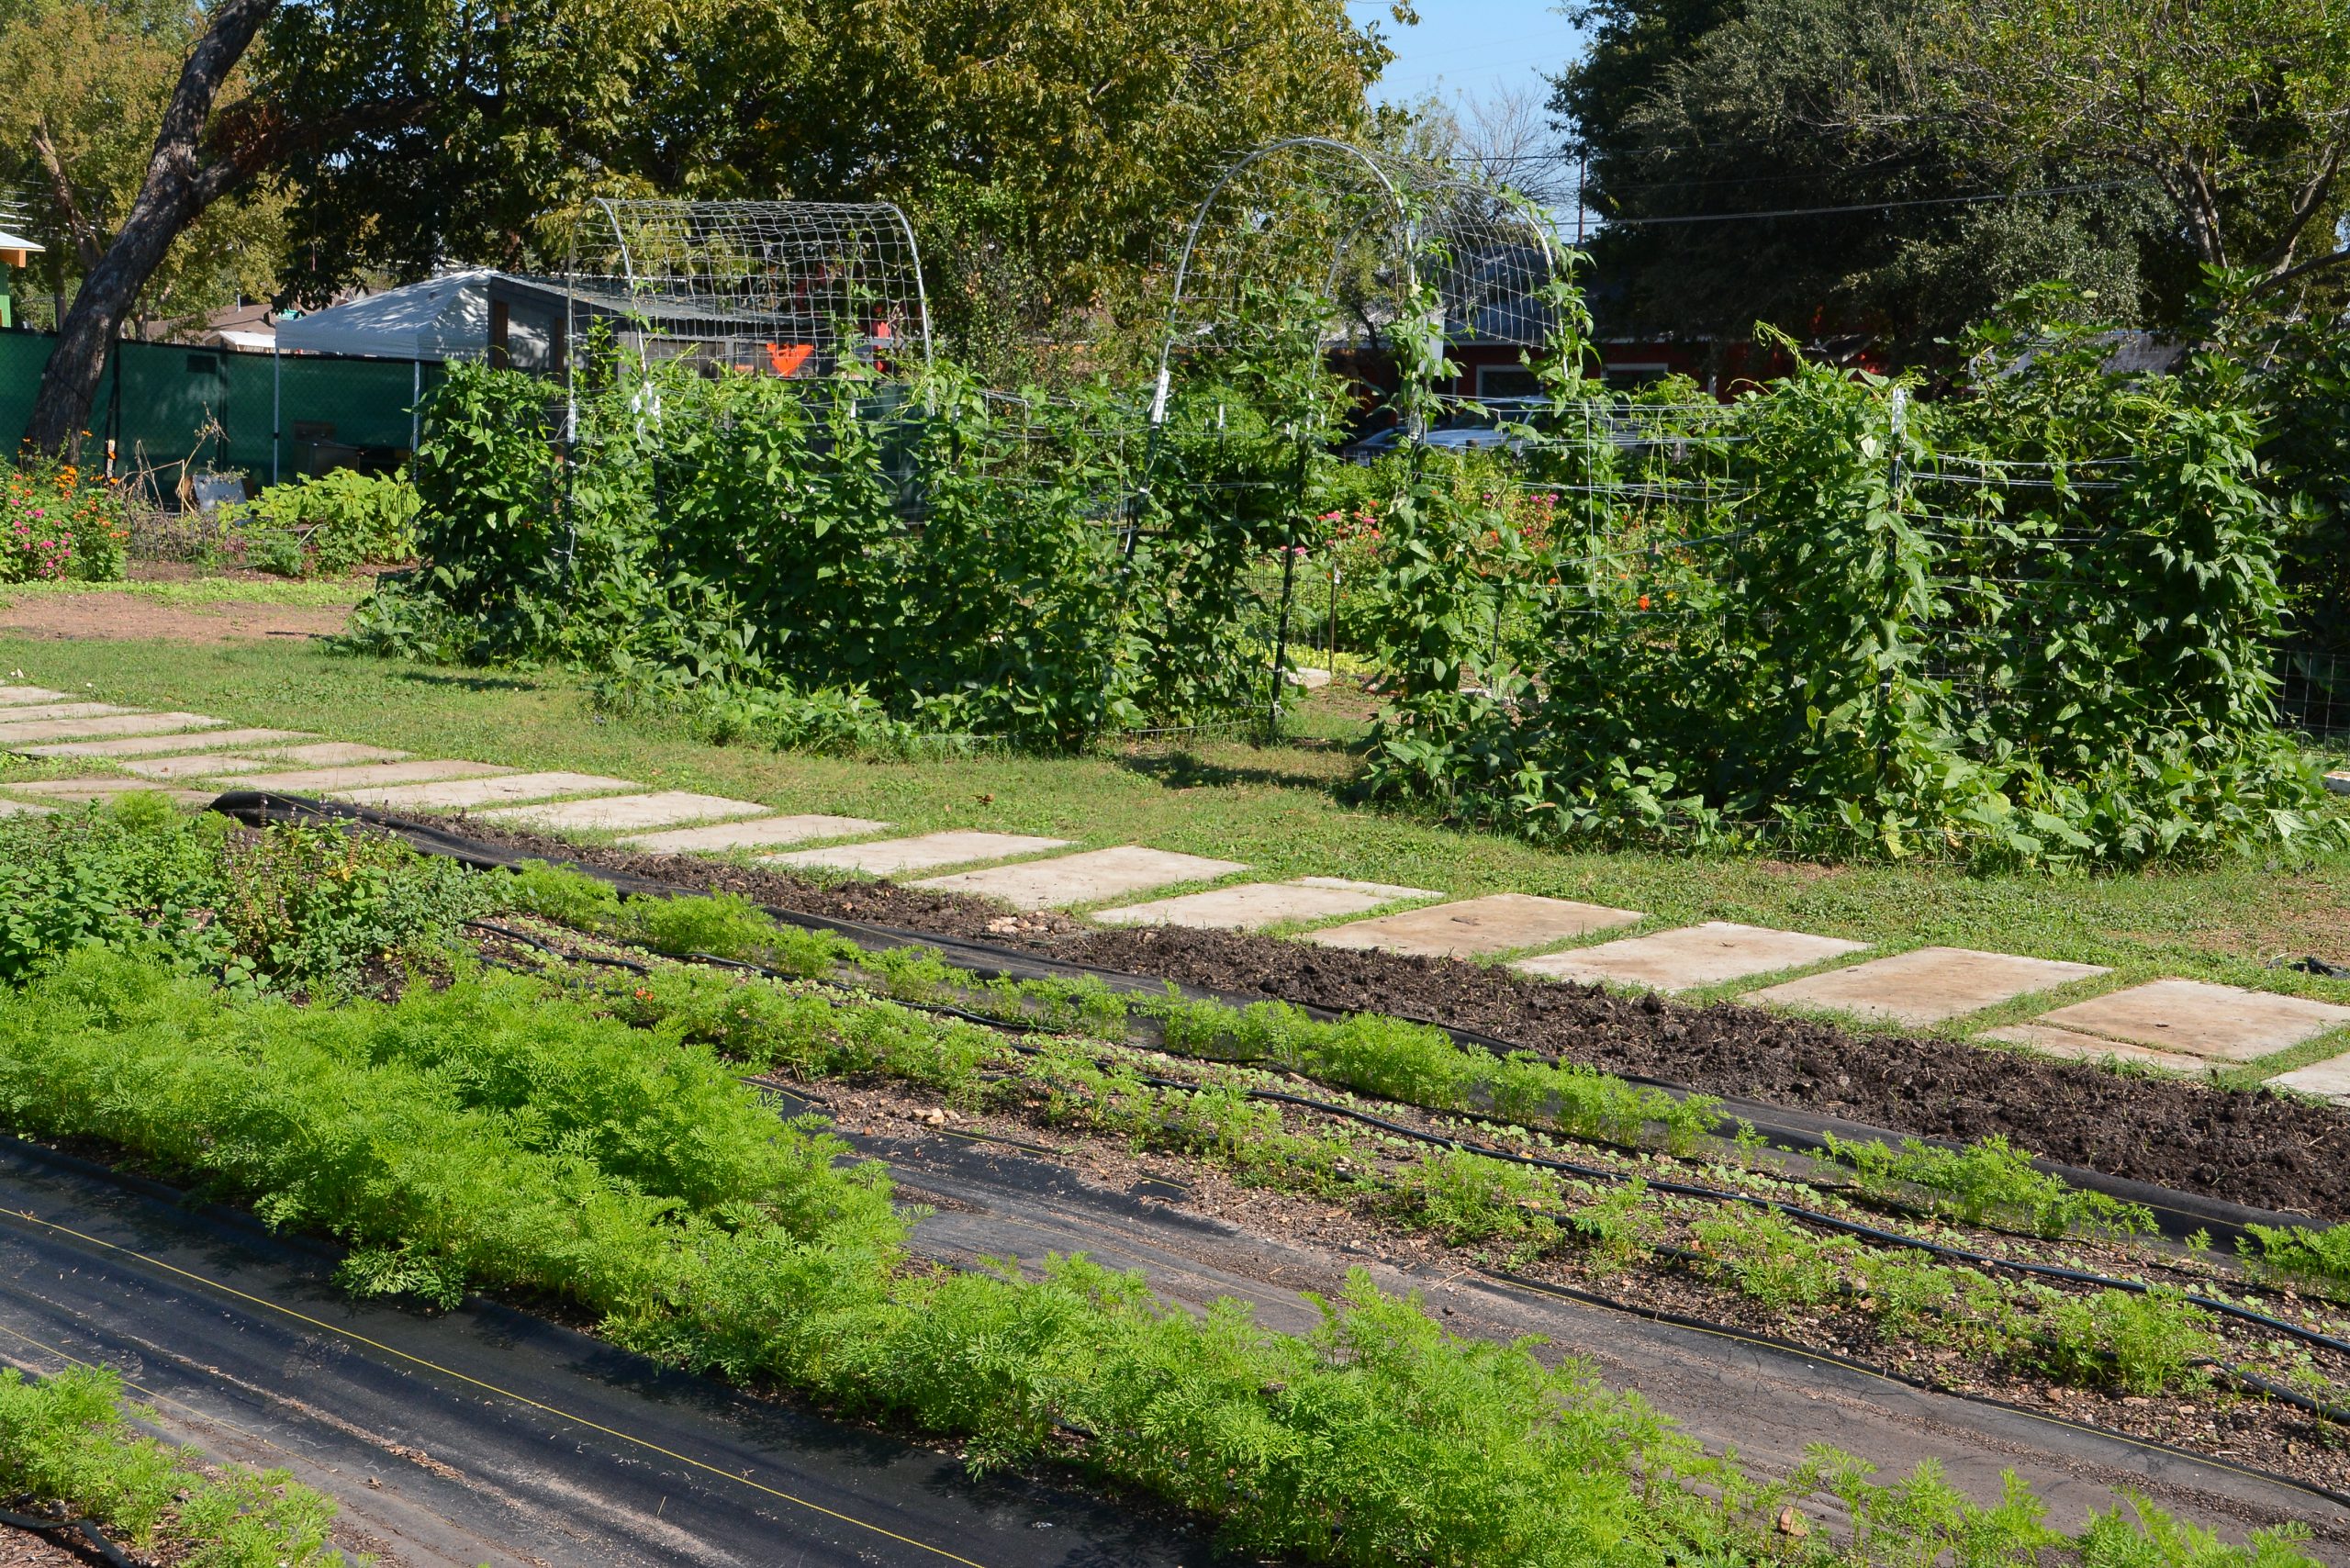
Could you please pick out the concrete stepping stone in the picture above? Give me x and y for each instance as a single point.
(1253, 906)
(38, 711)
(81, 790)
(720, 837)
(1927, 985)
(167, 745)
(101, 728)
(2073, 1045)
(2338, 782)
(1088, 878)
(2329, 1079)
(1497, 923)
(316, 781)
(480, 789)
(212, 764)
(336, 754)
(2221, 1023)
(13, 696)
(610, 813)
(895, 856)
(1712, 954)
(198, 766)
(23, 808)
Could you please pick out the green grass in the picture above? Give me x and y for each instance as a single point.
(1279, 808)
(319, 593)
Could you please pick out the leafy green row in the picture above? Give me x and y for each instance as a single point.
(2140, 1344)
(66, 1439)
(496, 1134)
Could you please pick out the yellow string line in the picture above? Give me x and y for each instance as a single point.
(395, 1352)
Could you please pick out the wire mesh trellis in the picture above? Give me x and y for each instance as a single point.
(784, 288)
(1333, 248)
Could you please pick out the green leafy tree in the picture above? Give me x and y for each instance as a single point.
(1805, 139)
(2237, 111)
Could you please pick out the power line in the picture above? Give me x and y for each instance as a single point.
(1883, 206)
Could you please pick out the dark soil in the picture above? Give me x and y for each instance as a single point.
(2247, 1146)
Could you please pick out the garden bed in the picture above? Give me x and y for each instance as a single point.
(2253, 1148)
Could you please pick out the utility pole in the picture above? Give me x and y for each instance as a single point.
(1582, 161)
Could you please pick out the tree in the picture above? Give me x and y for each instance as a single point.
(1789, 161)
(75, 136)
(2238, 111)
(486, 96)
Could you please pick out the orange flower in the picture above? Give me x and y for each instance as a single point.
(1644, 601)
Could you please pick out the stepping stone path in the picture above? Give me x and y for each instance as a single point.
(1088, 878)
(2181, 1026)
(330, 754)
(2220, 1023)
(120, 724)
(1498, 923)
(1926, 986)
(489, 786)
(724, 836)
(895, 856)
(1253, 906)
(2329, 1079)
(610, 813)
(335, 780)
(1712, 954)
(164, 745)
(2073, 1046)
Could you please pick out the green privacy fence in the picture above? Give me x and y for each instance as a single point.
(265, 416)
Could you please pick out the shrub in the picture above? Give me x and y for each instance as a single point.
(330, 523)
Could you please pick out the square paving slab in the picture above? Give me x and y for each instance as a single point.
(1926, 986)
(11, 696)
(465, 794)
(1088, 878)
(98, 729)
(1256, 905)
(2218, 1022)
(1472, 927)
(22, 808)
(335, 754)
(2331, 1078)
(315, 780)
(611, 814)
(722, 836)
(2073, 1046)
(1695, 955)
(201, 766)
(35, 713)
(895, 856)
(168, 745)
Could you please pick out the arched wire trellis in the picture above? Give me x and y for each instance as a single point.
(1353, 234)
(787, 288)
(1361, 242)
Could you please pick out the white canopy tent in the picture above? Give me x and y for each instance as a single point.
(441, 319)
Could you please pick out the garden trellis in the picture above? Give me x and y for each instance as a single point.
(793, 289)
(1312, 254)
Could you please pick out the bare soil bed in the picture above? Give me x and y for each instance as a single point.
(131, 617)
(2247, 1146)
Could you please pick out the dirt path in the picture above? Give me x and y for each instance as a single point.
(131, 617)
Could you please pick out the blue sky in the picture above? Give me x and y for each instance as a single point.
(1468, 46)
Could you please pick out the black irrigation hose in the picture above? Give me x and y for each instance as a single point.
(93, 1540)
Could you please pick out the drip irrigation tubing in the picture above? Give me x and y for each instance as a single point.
(2186, 1211)
(94, 1542)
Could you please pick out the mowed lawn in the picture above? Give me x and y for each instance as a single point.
(1280, 809)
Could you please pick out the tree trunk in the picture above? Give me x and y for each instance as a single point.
(178, 187)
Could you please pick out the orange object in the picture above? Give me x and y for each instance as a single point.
(1644, 601)
(787, 359)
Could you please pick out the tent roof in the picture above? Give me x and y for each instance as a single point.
(437, 318)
